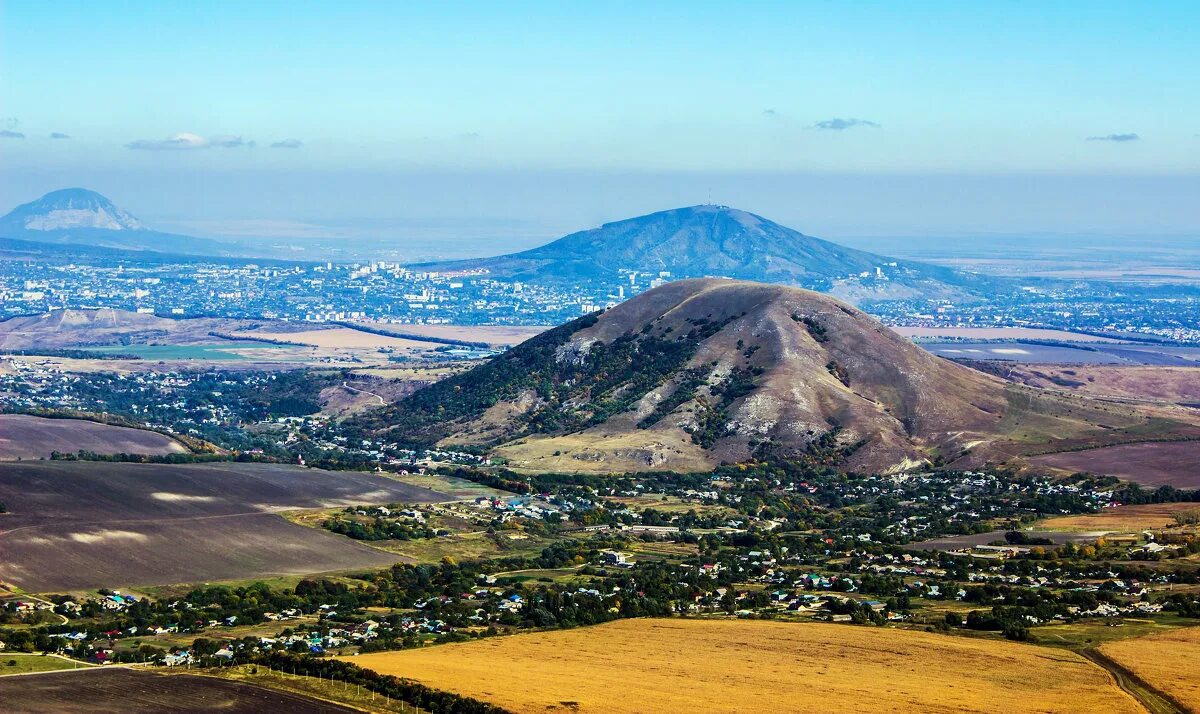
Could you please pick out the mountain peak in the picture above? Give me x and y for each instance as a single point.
(699, 372)
(71, 208)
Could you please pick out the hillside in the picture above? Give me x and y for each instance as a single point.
(702, 241)
(697, 372)
(77, 216)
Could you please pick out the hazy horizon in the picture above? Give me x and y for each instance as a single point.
(488, 129)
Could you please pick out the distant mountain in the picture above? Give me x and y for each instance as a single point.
(718, 241)
(699, 372)
(77, 216)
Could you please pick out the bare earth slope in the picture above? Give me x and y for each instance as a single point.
(702, 371)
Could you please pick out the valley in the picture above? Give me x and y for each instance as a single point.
(710, 471)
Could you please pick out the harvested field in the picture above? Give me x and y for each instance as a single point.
(18, 663)
(30, 437)
(79, 525)
(497, 335)
(343, 338)
(1121, 519)
(1167, 661)
(741, 665)
(113, 689)
(1172, 463)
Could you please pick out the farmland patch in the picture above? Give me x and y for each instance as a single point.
(77, 525)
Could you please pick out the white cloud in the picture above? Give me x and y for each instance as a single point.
(185, 140)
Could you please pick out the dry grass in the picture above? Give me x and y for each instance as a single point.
(1174, 385)
(599, 450)
(1122, 518)
(1168, 661)
(728, 666)
(343, 338)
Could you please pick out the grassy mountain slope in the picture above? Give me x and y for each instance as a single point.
(702, 371)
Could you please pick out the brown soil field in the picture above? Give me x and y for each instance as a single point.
(752, 666)
(1173, 385)
(1174, 463)
(76, 525)
(1169, 661)
(998, 333)
(120, 690)
(30, 437)
(1120, 519)
(500, 335)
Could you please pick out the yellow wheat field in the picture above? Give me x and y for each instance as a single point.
(1169, 661)
(755, 666)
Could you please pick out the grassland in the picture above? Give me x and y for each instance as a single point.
(465, 546)
(210, 353)
(1121, 519)
(1093, 633)
(1168, 661)
(737, 665)
(1169, 385)
(26, 664)
(30, 437)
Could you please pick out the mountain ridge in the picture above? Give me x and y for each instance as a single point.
(82, 217)
(719, 241)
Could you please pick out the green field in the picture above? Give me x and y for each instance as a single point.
(13, 663)
(223, 351)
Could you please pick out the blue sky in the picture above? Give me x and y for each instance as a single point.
(323, 105)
